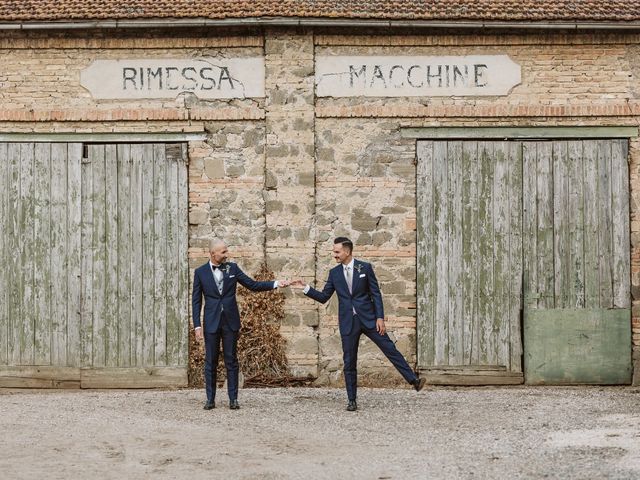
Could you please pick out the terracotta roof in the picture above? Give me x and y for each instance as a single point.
(442, 10)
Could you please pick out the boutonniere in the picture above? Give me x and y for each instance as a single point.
(226, 268)
(358, 267)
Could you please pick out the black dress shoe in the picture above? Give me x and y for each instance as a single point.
(352, 406)
(418, 384)
(209, 405)
(234, 405)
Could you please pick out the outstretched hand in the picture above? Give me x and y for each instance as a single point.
(298, 283)
(283, 283)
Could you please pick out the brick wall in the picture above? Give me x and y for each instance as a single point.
(279, 177)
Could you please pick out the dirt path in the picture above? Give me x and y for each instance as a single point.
(306, 434)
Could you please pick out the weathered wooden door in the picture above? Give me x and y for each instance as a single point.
(577, 316)
(94, 263)
(470, 259)
(506, 224)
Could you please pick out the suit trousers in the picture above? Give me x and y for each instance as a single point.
(229, 340)
(350, 355)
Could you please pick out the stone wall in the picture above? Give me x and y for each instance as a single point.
(365, 190)
(279, 177)
(290, 184)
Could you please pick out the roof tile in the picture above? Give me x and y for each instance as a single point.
(438, 10)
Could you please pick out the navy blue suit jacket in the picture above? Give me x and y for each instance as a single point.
(365, 298)
(204, 285)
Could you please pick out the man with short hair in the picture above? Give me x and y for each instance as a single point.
(216, 282)
(360, 310)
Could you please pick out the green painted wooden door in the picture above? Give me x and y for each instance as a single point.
(576, 224)
(94, 255)
(577, 316)
(469, 254)
(501, 222)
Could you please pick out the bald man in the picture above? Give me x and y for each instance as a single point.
(216, 282)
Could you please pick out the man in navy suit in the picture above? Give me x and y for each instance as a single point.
(360, 311)
(216, 282)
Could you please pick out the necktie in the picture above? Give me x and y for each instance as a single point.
(349, 276)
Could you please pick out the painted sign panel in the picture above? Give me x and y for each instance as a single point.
(207, 78)
(412, 76)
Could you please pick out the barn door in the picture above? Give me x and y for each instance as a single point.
(94, 273)
(533, 230)
(134, 264)
(577, 262)
(470, 260)
(40, 253)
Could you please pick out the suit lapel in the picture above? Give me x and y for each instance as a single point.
(225, 279)
(356, 276)
(339, 272)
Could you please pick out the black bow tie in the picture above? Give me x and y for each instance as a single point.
(217, 267)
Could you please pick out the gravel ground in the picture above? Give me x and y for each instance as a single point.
(305, 433)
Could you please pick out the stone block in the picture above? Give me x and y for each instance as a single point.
(325, 154)
(218, 140)
(364, 239)
(307, 179)
(272, 206)
(380, 238)
(235, 171)
(393, 209)
(323, 236)
(407, 238)
(397, 287)
(301, 234)
(363, 221)
(214, 168)
(406, 201)
(304, 345)
(291, 320)
(331, 347)
(271, 180)
(311, 318)
(196, 166)
(406, 171)
(252, 138)
(277, 151)
(198, 216)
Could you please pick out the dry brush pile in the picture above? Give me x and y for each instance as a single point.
(261, 347)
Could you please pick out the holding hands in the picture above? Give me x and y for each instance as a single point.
(297, 283)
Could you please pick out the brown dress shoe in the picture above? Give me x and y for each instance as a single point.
(419, 383)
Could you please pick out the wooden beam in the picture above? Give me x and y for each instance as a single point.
(39, 377)
(465, 368)
(469, 377)
(141, 377)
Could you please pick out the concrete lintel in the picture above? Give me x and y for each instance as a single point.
(102, 137)
(519, 132)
